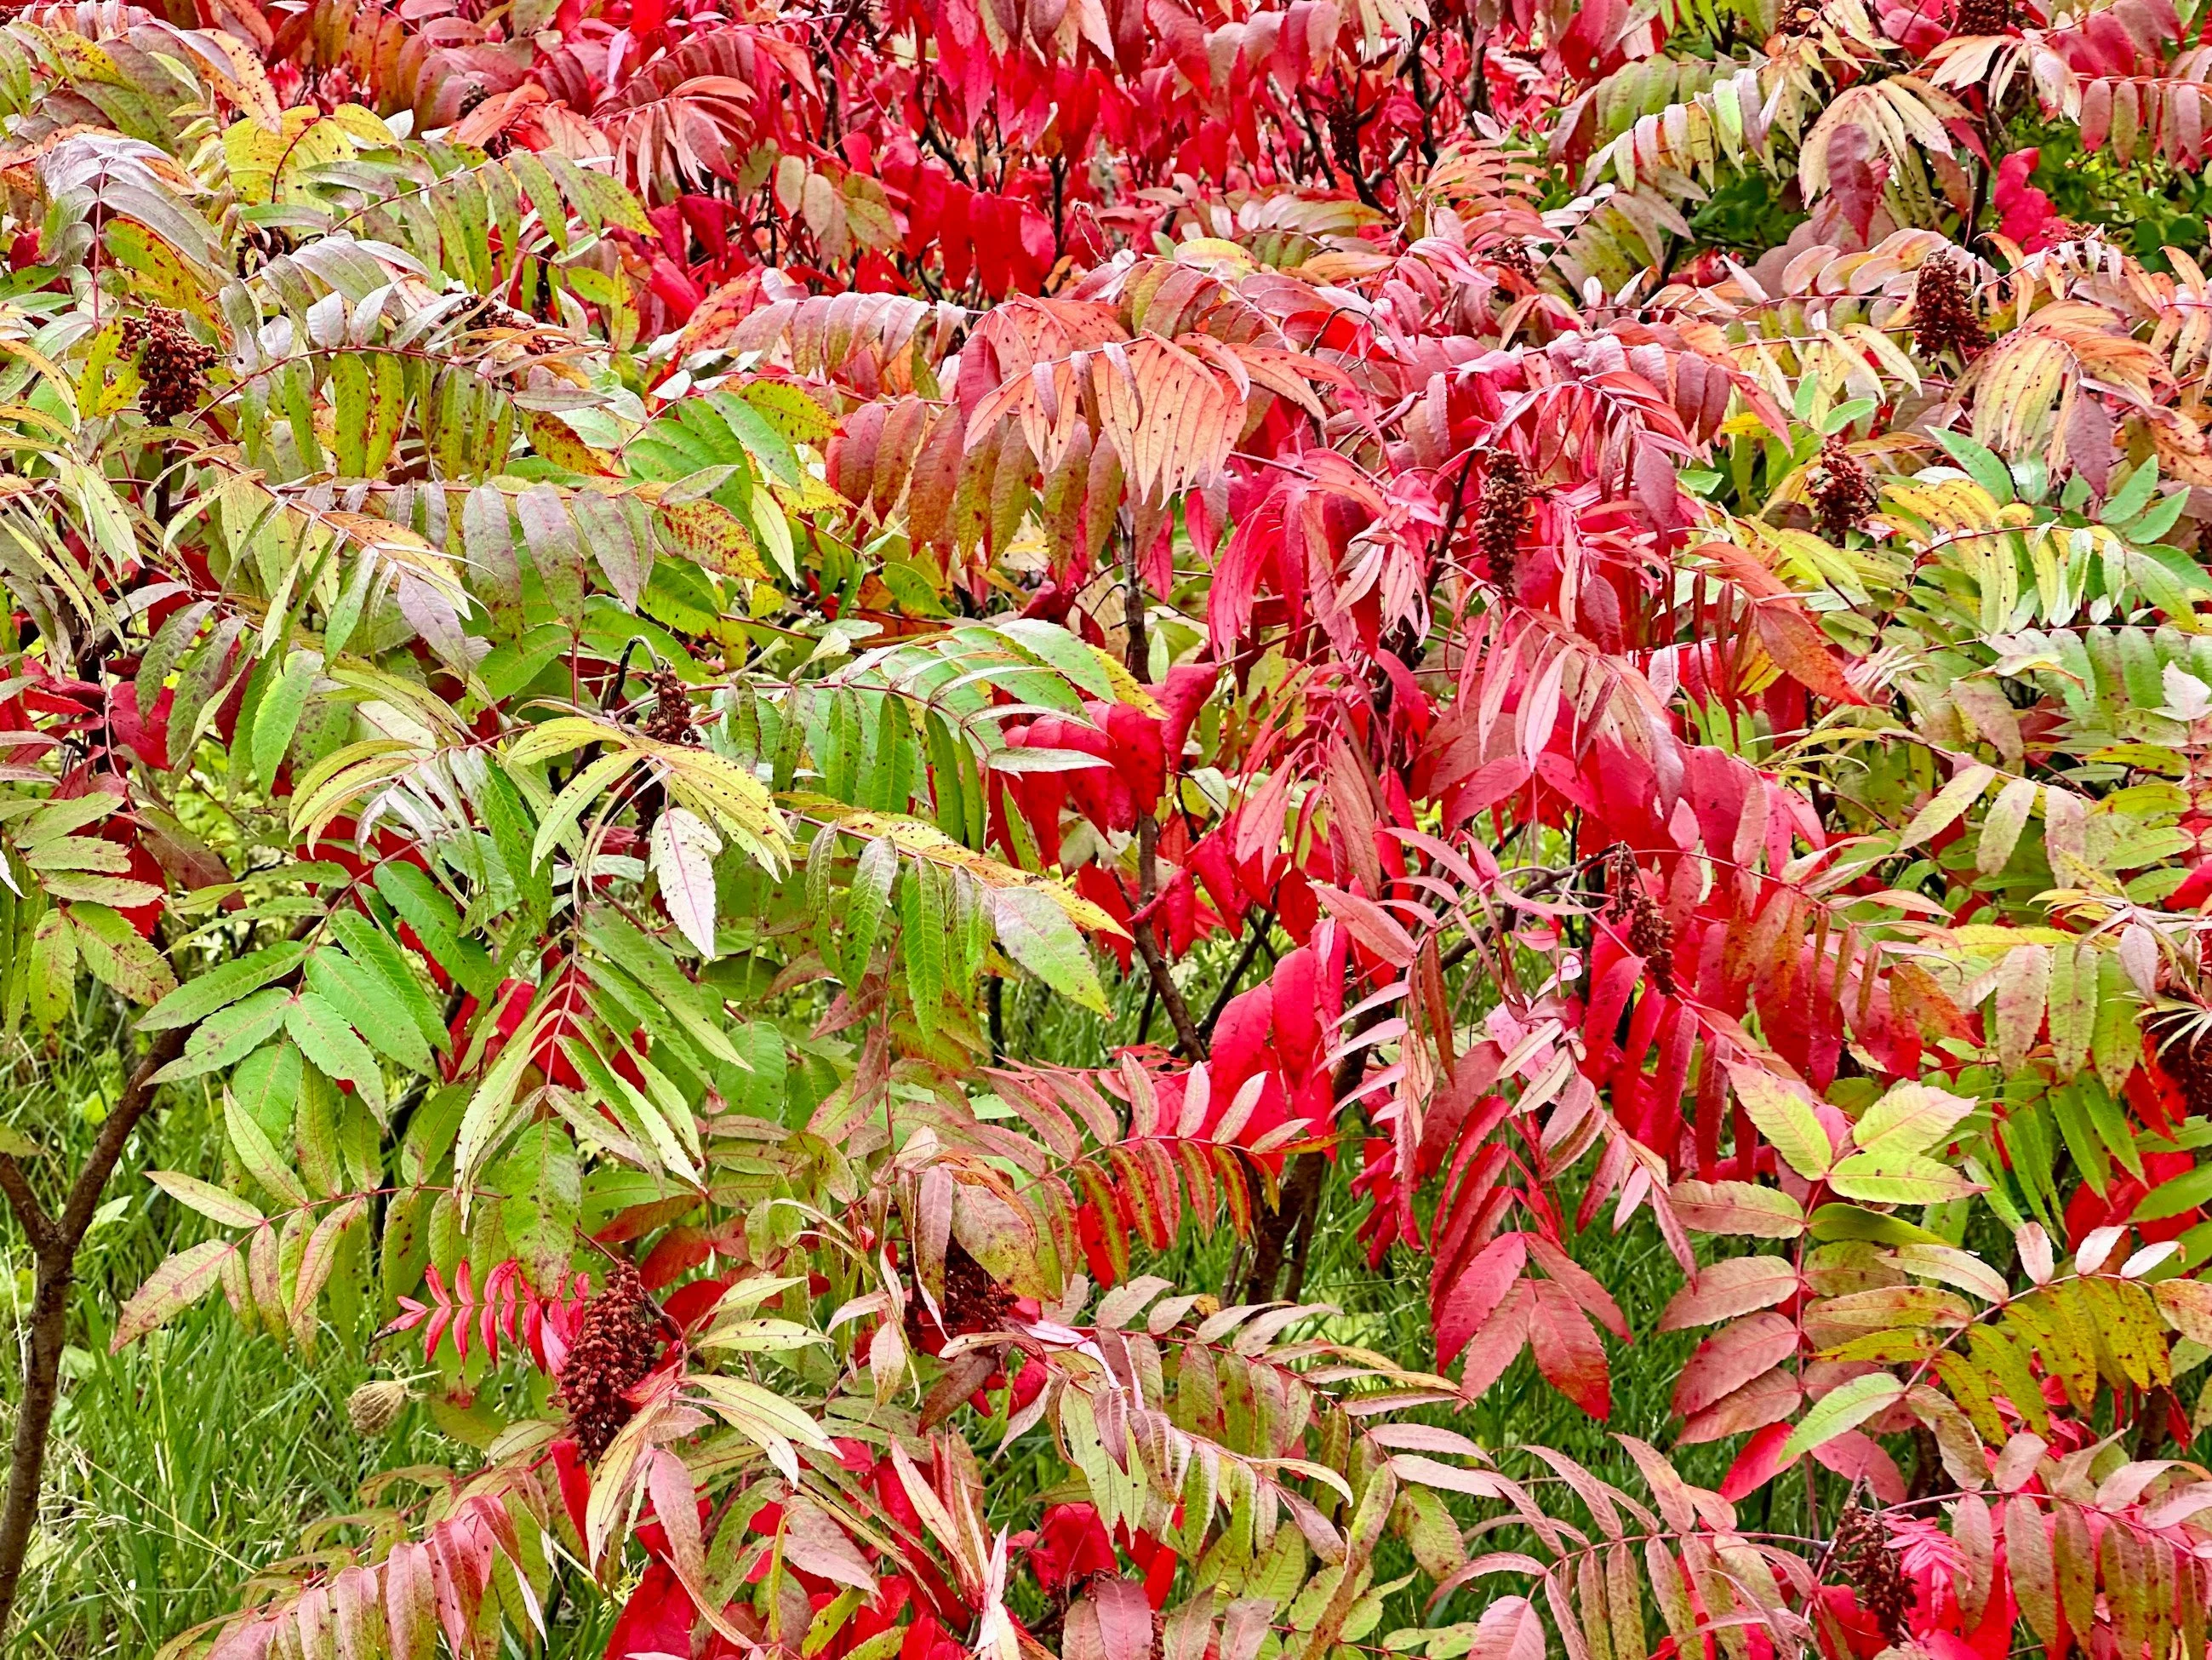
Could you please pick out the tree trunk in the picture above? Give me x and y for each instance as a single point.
(54, 1244)
(34, 1417)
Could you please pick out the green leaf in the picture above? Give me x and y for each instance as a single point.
(228, 1036)
(416, 898)
(2111, 1124)
(787, 406)
(544, 1187)
(1908, 1181)
(2133, 495)
(2153, 523)
(2073, 1127)
(202, 675)
(587, 789)
(1908, 1121)
(762, 441)
(1832, 1222)
(512, 830)
(1051, 644)
(368, 944)
(349, 393)
(324, 1038)
(888, 785)
(922, 942)
(1037, 934)
(2116, 1046)
(483, 1124)
(652, 965)
(1844, 1407)
(1981, 465)
(167, 647)
(1784, 1117)
(52, 990)
(258, 1154)
(120, 956)
(388, 411)
(644, 1120)
(278, 716)
(362, 999)
(77, 853)
(221, 987)
(821, 860)
(1844, 414)
(2185, 1192)
(865, 904)
(270, 1084)
(116, 892)
(60, 818)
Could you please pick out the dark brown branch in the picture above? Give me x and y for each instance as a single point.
(37, 1226)
(55, 1259)
(2151, 1431)
(1138, 657)
(1252, 943)
(1299, 1205)
(1188, 1038)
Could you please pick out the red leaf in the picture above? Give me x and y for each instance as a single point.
(1854, 1454)
(1498, 1341)
(1475, 1297)
(1732, 1358)
(1760, 1462)
(1568, 1350)
(1801, 651)
(2027, 215)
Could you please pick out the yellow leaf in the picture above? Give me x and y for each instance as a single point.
(261, 162)
(709, 534)
(556, 441)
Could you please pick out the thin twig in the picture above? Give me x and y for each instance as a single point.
(1252, 943)
(1187, 1036)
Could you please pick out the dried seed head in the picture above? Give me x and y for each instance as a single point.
(1502, 519)
(615, 1346)
(2188, 1062)
(1862, 1549)
(1512, 254)
(375, 1405)
(1982, 17)
(670, 720)
(172, 365)
(973, 1301)
(1650, 935)
(1943, 315)
(1844, 492)
(1343, 125)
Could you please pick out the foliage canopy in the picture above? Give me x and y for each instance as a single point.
(764, 702)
